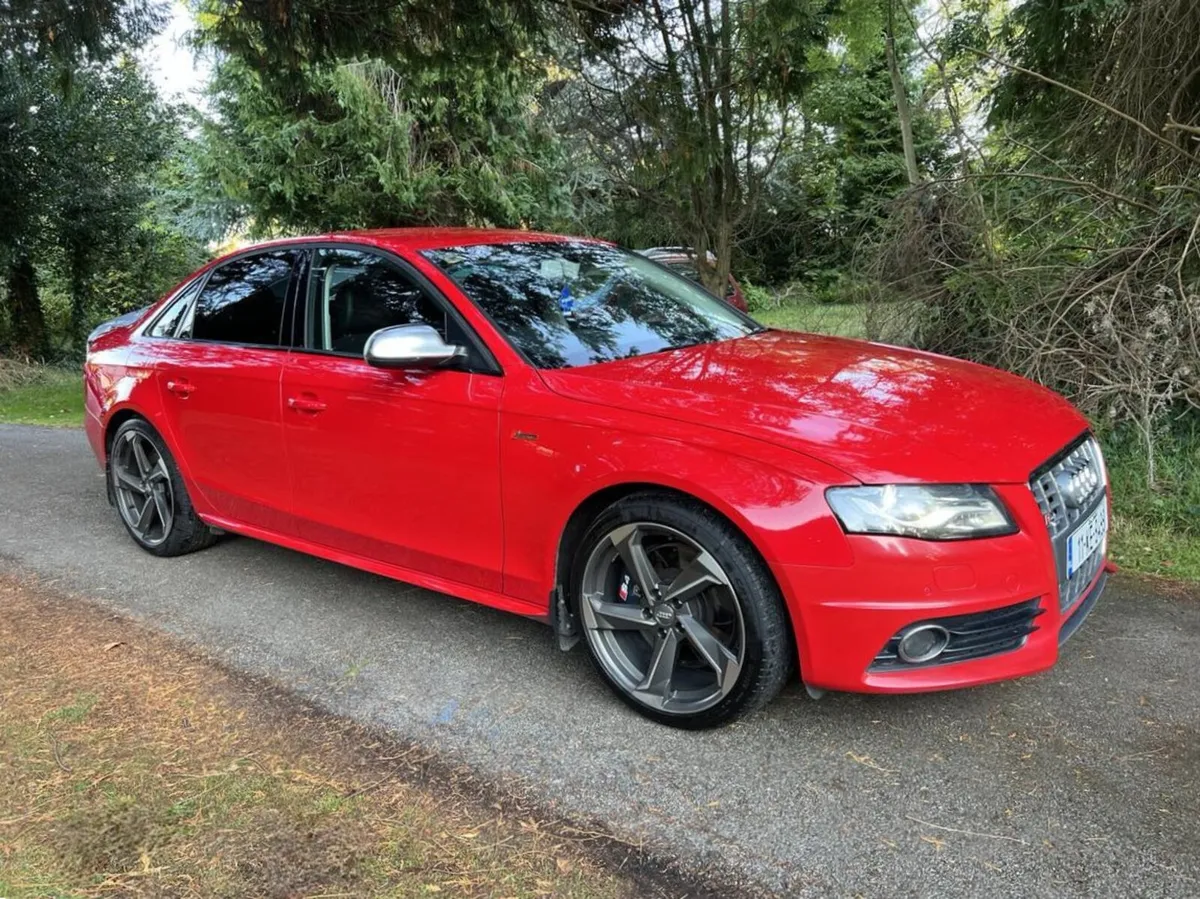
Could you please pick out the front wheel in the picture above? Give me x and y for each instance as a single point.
(680, 616)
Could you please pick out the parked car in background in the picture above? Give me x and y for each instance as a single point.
(559, 428)
(682, 260)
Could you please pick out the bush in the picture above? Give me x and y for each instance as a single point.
(758, 298)
(1107, 314)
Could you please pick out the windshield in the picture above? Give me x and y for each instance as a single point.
(570, 303)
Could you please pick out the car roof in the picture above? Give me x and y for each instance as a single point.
(667, 251)
(416, 239)
(673, 254)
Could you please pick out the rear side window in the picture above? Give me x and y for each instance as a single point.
(243, 300)
(167, 324)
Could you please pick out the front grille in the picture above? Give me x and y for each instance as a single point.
(971, 636)
(1069, 488)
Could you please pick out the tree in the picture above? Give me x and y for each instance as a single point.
(900, 92)
(86, 161)
(280, 39)
(41, 45)
(846, 163)
(113, 135)
(688, 105)
(64, 32)
(361, 143)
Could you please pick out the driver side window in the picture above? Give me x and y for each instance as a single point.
(352, 294)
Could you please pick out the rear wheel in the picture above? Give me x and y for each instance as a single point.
(680, 616)
(150, 495)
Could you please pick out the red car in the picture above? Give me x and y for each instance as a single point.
(562, 429)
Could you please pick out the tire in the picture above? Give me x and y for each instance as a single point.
(172, 527)
(710, 584)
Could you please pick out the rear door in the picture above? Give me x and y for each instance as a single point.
(220, 380)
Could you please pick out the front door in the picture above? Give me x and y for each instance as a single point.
(397, 466)
(220, 375)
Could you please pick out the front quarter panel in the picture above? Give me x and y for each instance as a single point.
(556, 453)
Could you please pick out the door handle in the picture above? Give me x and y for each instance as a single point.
(305, 404)
(180, 388)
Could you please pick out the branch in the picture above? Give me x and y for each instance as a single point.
(1073, 182)
(1137, 123)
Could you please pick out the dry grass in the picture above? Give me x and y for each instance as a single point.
(130, 766)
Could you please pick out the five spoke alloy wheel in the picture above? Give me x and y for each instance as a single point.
(681, 616)
(142, 488)
(146, 487)
(662, 618)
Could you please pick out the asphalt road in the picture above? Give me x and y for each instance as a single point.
(1083, 781)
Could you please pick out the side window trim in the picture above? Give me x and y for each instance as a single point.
(292, 333)
(302, 331)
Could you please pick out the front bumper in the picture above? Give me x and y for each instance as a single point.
(845, 616)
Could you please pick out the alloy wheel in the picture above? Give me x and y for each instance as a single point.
(142, 486)
(662, 618)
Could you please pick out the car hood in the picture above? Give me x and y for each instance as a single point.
(878, 413)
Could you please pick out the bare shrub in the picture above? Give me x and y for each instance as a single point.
(1115, 327)
(1080, 269)
(19, 373)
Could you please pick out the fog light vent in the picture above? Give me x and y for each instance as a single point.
(956, 638)
(922, 643)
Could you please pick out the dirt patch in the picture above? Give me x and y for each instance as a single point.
(131, 765)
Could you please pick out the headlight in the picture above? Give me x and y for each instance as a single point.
(928, 512)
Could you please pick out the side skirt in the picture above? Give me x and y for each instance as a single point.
(395, 572)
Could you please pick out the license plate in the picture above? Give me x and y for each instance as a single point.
(1087, 539)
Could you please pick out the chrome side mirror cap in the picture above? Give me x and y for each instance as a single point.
(411, 346)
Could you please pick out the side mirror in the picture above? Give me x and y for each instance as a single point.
(410, 346)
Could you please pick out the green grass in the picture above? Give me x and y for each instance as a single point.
(40, 395)
(76, 712)
(840, 319)
(1157, 528)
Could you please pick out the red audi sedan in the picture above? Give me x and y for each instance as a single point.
(562, 429)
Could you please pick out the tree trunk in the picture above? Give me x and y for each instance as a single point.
(25, 309)
(79, 295)
(724, 253)
(902, 107)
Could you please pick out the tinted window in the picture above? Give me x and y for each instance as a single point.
(243, 300)
(352, 294)
(572, 303)
(687, 269)
(168, 322)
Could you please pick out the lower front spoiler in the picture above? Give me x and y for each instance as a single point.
(852, 672)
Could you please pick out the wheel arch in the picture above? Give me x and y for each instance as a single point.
(114, 423)
(115, 420)
(157, 424)
(586, 511)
